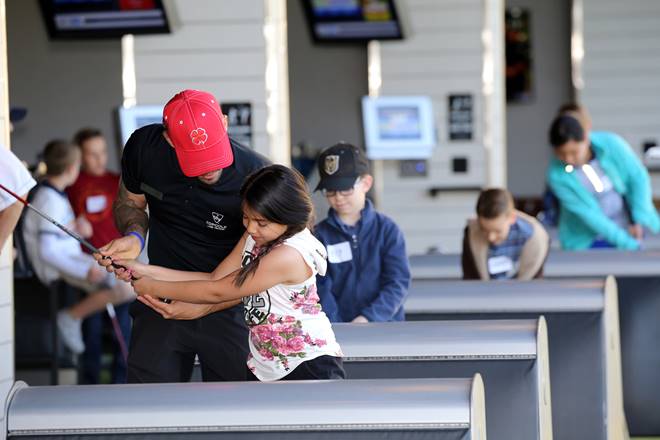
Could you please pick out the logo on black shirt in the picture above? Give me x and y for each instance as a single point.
(215, 224)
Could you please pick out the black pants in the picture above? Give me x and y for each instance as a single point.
(320, 368)
(163, 350)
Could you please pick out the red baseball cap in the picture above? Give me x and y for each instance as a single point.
(195, 124)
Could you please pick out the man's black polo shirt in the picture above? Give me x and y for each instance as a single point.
(192, 226)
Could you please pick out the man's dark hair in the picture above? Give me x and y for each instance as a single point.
(565, 128)
(493, 203)
(84, 134)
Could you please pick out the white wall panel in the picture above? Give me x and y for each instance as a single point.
(199, 64)
(441, 55)
(205, 36)
(217, 46)
(622, 69)
(220, 10)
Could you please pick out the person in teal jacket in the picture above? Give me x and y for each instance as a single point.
(604, 191)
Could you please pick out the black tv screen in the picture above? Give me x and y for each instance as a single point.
(103, 18)
(353, 20)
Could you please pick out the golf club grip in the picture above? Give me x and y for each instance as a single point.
(119, 266)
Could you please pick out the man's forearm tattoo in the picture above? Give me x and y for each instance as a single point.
(128, 216)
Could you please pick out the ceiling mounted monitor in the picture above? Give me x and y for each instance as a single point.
(353, 20)
(75, 19)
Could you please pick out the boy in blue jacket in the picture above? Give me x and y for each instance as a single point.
(368, 274)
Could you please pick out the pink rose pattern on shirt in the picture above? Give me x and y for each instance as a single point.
(287, 323)
(282, 338)
(307, 300)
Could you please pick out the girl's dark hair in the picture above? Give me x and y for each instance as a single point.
(280, 195)
(565, 128)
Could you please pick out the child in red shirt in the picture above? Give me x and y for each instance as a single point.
(96, 188)
(92, 196)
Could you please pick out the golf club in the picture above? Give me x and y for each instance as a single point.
(77, 237)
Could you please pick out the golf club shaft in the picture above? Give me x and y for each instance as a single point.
(77, 237)
(117, 330)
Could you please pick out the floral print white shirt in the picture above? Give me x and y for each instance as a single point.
(287, 325)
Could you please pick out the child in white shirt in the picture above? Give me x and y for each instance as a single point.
(55, 255)
(16, 178)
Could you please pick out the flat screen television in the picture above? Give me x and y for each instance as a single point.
(399, 127)
(353, 20)
(71, 19)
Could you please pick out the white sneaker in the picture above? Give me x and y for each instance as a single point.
(71, 331)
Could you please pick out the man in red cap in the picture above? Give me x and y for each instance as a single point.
(188, 173)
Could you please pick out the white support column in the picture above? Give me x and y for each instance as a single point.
(6, 273)
(577, 46)
(278, 125)
(493, 89)
(375, 82)
(128, 79)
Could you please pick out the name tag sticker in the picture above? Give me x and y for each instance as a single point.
(96, 204)
(340, 252)
(607, 184)
(498, 265)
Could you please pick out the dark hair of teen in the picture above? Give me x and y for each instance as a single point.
(59, 155)
(565, 128)
(280, 195)
(85, 134)
(493, 203)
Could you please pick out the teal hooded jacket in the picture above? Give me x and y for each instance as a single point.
(581, 219)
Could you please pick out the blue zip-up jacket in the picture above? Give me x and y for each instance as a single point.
(374, 279)
(581, 219)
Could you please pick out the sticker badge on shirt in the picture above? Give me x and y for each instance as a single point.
(607, 184)
(340, 252)
(498, 265)
(96, 204)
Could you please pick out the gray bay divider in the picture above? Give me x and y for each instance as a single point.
(583, 333)
(447, 409)
(638, 277)
(511, 355)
